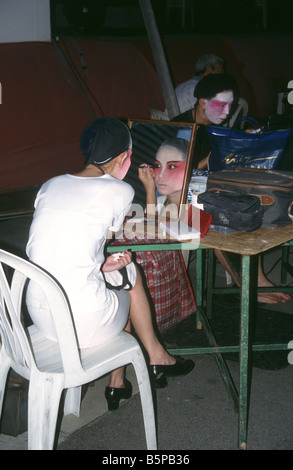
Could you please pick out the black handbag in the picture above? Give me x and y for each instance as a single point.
(231, 210)
(274, 188)
(233, 148)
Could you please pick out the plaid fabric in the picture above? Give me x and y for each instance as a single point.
(167, 281)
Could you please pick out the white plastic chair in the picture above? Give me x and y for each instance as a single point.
(52, 367)
(290, 355)
(241, 111)
(157, 115)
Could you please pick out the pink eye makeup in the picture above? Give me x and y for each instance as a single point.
(175, 166)
(172, 165)
(218, 108)
(219, 105)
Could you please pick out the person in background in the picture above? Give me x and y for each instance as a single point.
(205, 65)
(216, 96)
(73, 217)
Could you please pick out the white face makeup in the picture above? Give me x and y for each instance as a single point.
(169, 169)
(218, 108)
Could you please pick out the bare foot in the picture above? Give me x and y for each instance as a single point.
(272, 297)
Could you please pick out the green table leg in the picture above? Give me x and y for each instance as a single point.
(245, 350)
(199, 287)
(210, 281)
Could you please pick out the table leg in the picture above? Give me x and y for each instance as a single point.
(245, 350)
(199, 287)
(210, 281)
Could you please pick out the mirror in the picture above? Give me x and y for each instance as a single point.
(147, 136)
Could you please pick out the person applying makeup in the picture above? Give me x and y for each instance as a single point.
(166, 175)
(74, 214)
(165, 273)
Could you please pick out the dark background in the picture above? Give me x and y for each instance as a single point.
(123, 17)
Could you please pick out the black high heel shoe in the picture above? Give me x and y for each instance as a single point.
(114, 395)
(159, 373)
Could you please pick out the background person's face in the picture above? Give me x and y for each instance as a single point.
(218, 108)
(169, 169)
(219, 68)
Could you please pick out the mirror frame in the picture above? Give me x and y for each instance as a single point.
(188, 167)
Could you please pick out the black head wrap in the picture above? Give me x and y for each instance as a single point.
(103, 140)
(177, 143)
(215, 83)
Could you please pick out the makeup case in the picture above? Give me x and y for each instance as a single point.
(273, 188)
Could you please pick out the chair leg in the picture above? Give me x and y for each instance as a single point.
(4, 369)
(146, 400)
(43, 403)
(72, 401)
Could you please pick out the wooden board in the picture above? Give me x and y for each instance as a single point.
(248, 243)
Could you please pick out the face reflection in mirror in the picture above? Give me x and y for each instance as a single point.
(169, 169)
(166, 147)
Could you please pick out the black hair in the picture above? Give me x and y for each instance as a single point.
(215, 83)
(103, 140)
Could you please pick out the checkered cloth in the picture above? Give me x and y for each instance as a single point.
(171, 295)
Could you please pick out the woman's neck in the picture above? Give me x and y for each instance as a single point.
(90, 171)
(173, 198)
(199, 116)
(171, 208)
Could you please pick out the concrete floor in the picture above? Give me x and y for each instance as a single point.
(193, 412)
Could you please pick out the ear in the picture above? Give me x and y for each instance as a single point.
(120, 159)
(124, 156)
(202, 103)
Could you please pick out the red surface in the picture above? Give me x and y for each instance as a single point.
(43, 111)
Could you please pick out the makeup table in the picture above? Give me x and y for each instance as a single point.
(248, 245)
